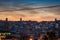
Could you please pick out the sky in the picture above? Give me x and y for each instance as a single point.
(35, 10)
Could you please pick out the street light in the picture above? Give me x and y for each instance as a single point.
(31, 38)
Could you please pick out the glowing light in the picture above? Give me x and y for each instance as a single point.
(30, 39)
(2, 37)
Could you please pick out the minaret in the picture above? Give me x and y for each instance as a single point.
(6, 25)
(6, 19)
(55, 19)
(20, 19)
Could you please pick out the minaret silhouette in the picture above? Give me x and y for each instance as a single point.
(20, 19)
(6, 19)
(6, 25)
(55, 19)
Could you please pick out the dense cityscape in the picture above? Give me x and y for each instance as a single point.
(29, 30)
(29, 19)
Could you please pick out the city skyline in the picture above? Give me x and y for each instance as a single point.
(35, 10)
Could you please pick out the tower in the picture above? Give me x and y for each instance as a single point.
(6, 24)
(55, 19)
(20, 19)
(6, 19)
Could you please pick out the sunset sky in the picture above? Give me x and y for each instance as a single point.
(35, 10)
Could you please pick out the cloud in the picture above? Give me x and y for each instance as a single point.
(34, 12)
(52, 9)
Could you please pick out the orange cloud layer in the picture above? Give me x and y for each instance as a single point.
(44, 14)
(17, 18)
